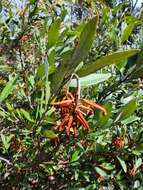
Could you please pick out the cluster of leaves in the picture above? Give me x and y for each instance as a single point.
(40, 48)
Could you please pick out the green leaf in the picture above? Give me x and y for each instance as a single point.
(7, 89)
(47, 94)
(75, 156)
(137, 185)
(101, 119)
(53, 33)
(140, 57)
(117, 8)
(138, 163)
(138, 149)
(51, 57)
(6, 141)
(101, 172)
(127, 99)
(49, 134)
(85, 42)
(127, 110)
(77, 30)
(137, 73)
(63, 13)
(9, 107)
(108, 166)
(26, 115)
(123, 164)
(76, 175)
(130, 119)
(127, 32)
(113, 58)
(2, 114)
(50, 111)
(90, 80)
(138, 69)
(81, 51)
(41, 70)
(32, 1)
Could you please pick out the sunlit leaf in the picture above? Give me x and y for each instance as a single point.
(137, 185)
(112, 58)
(81, 51)
(130, 119)
(7, 89)
(76, 175)
(6, 140)
(49, 134)
(41, 70)
(85, 42)
(90, 80)
(53, 33)
(9, 107)
(108, 166)
(75, 156)
(101, 172)
(127, 32)
(117, 8)
(26, 115)
(123, 164)
(138, 163)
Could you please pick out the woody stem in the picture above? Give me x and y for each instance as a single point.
(78, 87)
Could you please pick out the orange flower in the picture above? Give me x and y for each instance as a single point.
(96, 106)
(24, 38)
(55, 141)
(131, 170)
(100, 178)
(73, 113)
(118, 142)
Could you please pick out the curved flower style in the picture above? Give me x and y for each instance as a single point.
(73, 112)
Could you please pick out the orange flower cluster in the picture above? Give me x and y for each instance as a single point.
(118, 142)
(73, 112)
(17, 145)
(100, 178)
(131, 170)
(24, 38)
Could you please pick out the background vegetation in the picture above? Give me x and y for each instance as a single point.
(42, 43)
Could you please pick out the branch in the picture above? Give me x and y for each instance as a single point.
(5, 160)
(134, 6)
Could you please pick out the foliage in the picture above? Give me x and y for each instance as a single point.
(42, 43)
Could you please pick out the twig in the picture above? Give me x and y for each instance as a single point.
(5, 160)
(21, 59)
(78, 84)
(134, 6)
